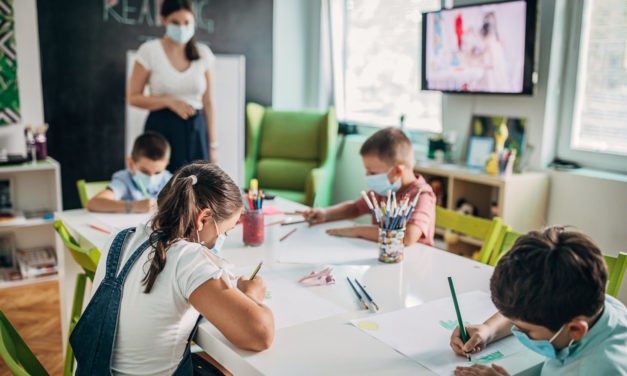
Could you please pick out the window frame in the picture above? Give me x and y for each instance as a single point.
(573, 37)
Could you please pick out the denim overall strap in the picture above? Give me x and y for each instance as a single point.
(93, 338)
(185, 367)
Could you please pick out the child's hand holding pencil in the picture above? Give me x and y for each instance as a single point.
(479, 337)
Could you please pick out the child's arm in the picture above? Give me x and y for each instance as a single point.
(345, 210)
(237, 312)
(364, 232)
(493, 329)
(413, 233)
(105, 201)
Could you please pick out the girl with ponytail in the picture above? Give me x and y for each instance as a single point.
(170, 274)
(177, 70)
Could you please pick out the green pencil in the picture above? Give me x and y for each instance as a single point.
(256, 271)
(462, 330)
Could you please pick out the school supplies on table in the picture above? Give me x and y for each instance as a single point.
(256, 271)
(361, 299)
(370, 300)
(391, 214)
(423, 332)
(291, 221)
(253, 217)
(254, 196)
(321, 278)
(94, 227)
(288, 234)
(462, 329)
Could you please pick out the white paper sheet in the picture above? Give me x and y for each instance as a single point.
(291, 303)
(312, 245)
(423, 332)
(119, 221)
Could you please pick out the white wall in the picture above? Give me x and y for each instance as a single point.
(28, 67)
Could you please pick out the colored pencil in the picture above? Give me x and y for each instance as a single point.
(256, 271)
(288, 234)
(376, 307)
(99, 229)
(361, 299)
(462, 329)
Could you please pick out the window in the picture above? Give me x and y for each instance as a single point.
(379, 72)
(594, 124)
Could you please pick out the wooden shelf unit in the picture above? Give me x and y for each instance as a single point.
(521, 198)
(35, 187)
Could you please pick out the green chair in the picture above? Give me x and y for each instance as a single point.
(292, 154)
(15, 353)
(88, 190)
(485, 230)
(616, 267)
(88, 260)
(504, 243)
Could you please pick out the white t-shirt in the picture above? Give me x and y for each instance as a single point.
(153, 328)
(188, 86)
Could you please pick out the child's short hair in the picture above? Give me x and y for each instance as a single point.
(390, 145)
(151, 145)
(550, 277)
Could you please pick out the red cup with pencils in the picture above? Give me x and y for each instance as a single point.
(253, 227)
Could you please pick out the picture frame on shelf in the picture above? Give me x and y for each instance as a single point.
(479, 150)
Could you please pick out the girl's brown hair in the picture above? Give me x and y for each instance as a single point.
(197, 186)
(170, 6)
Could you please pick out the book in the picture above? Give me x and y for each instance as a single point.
(37, 262)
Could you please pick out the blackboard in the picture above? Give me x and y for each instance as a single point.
(83, 45)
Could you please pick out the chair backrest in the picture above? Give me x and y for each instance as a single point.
(485, 230)
(86, 258)
(284, 146)
(15, 353)
(88, 190)
(616, 267)
(504, 243)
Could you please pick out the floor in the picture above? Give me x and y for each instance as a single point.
(34, 312)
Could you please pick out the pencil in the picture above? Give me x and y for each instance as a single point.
(361, 299)
(462, 330)
(99, 229)
(288, 234)
(256, 271)
(376, 307)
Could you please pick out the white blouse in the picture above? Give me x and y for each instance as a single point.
(188, 86)
(153, 328)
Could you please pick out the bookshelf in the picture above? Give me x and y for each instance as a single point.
(35, 190)
(521, 198)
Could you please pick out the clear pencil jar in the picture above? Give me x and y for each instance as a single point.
(391, 245)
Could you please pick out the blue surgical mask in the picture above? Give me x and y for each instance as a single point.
(219, 241)
(180, 33)
(541, 346)
(381, 184)
(148, 184)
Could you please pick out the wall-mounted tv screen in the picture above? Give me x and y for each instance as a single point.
(486, 48)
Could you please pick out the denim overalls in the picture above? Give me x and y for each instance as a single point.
(93, 337)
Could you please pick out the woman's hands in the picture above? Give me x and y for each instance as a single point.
(181, 108)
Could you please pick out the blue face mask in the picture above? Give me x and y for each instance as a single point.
(149, 185)
(217, 247)
(381, 184)
(180, 33)
(541, 346)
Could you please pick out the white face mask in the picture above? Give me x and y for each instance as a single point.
(381, 184)
(180, 33)
(217, 247)
(148, 184)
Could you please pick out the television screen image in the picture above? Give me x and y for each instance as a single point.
(479, 49)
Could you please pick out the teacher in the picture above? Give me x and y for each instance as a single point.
(177, 71)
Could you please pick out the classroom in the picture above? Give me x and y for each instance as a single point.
(354, 187)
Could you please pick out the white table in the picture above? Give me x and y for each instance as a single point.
(331, 345)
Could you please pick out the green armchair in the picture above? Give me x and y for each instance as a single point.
(292, 154)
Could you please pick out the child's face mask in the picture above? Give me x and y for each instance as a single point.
(149, 184)
(541, 346)
(217, 246)
(381, 184)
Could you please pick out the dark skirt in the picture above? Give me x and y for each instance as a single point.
(187, 138)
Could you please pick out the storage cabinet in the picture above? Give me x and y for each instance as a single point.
(35, 194)
(521, 199)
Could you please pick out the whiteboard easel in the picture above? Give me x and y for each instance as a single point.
(228, 103)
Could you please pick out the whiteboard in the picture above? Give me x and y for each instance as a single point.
(228, 103)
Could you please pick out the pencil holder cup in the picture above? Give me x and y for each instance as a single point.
(391, 245)
(253, 227)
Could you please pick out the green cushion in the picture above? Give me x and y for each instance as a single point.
(291, 135)
(283, 174)
(289, 195)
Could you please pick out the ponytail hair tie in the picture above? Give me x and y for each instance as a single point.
(194, 179)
